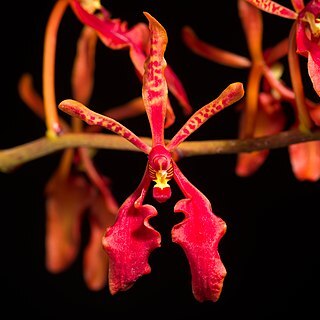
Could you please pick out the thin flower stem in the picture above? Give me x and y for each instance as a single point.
(49, 99)
(251, 104)
(12, 158)
(294, 66)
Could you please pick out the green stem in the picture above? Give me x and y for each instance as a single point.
(14, 157)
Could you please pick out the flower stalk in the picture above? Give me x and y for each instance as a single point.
(16, 156)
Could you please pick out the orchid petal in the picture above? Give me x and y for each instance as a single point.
(95, 259)
(155, 91)
(34, 101)
(110, 30)
(82, 78)
(211, 52)
(170, 116)
(248, 163)
(268, 123)
(251, 19)
(29, 95)
(307, 39)
(314, 73)
(315, 114)
(130, 240)
(230, 95)
(280, 50)
(199, 235)
(67, 199)
(274, 8)
(133, 108)
(176, 88)
(305, 160)
(78, 110)
(298, 5)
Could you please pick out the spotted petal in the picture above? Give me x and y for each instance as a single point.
(230, 95)
(78, 110)
(308, 35)
(199, 235)
(274, 8)
(155, 90)
(130, 240)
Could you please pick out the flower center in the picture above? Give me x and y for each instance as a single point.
(313, 25)
(161, 172)
(90, 5)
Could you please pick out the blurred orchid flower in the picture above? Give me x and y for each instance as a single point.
(303, 40)
(260, 110)
(262, 113)
(307, 30)
(131, 239)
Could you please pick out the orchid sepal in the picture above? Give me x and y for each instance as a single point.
(155, 90)
(211, 52)
(274, 8)
(78, 110)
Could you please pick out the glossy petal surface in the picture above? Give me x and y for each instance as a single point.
(199, 235)
(130, 240)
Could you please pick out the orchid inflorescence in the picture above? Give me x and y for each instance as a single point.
(121, 236)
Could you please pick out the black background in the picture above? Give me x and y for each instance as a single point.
(271, 246)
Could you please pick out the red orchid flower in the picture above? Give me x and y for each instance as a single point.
(131, 239)
(307, 31)
(261, 113)
(303, 40)
(116, 35)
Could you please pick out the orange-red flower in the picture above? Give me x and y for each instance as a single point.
(307, 30)
(131, 239)
(262, 113)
